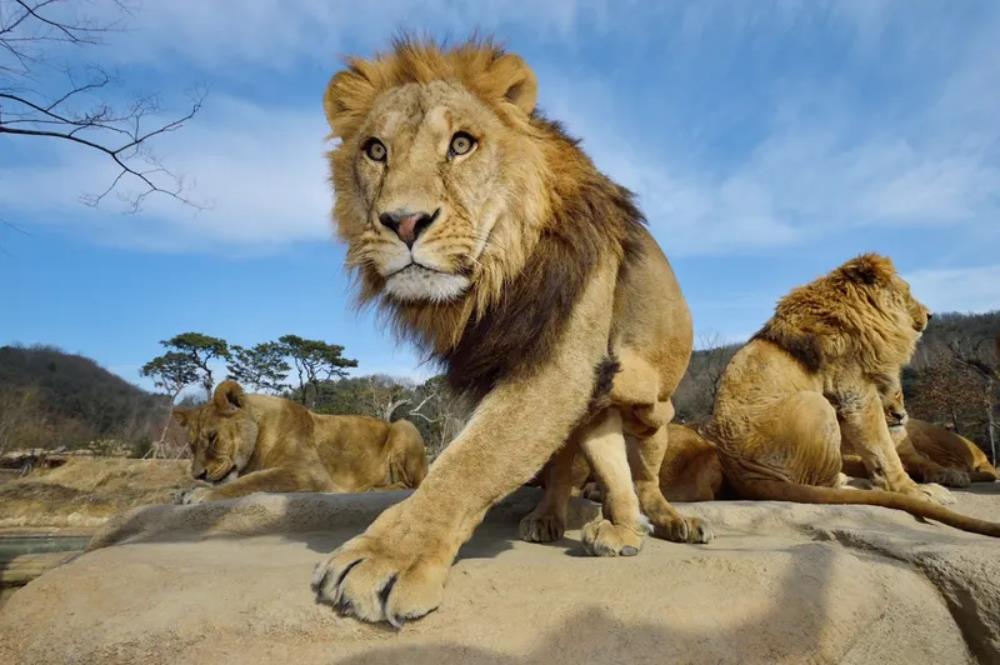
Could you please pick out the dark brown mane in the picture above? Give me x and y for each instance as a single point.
(521, 330)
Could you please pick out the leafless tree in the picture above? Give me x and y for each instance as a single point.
(77, 111)
(982, 356)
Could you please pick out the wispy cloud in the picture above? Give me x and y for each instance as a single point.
(974, 289)
(261, 176)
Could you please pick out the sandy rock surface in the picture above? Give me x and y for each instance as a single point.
(782, 583)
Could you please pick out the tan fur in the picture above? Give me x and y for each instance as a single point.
(531, 277)
(690, 471)
(929, 453)
(948, 450)
(810, 379)
(258, 443)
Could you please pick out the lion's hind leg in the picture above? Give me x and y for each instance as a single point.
(645, 460)
(621, 528)
(547, 522)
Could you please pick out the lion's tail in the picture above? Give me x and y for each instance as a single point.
(774, 490)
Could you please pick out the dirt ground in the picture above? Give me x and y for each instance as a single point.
(84, 492)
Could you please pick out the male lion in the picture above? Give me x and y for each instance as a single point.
(810, 379)
(491, 240)
(258, 443)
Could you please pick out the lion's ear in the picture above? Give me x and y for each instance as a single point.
(229, 397)
(514, 82)
(347, 96)
(182, 416)
(869, 269)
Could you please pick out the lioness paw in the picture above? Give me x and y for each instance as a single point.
(541, 527)
(191, 496)
(382, 579)
(937, 493)
(603, 538)
(948, 477)
(685, 530)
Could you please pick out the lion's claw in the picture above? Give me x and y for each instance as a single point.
(604, 538)
(541, 528)
(373, 581)
(685, 530)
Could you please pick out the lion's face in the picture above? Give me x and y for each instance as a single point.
(428, 171)
(221, 434)
(433, 175)
(894, 409)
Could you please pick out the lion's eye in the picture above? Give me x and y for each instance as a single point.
(212, 438)
(375, 150)
(461, 144)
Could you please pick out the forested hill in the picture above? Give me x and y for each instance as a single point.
(50, 398)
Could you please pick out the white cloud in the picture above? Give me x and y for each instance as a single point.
(823, 167)
(975, 289)
(276, 35)
(260, 171)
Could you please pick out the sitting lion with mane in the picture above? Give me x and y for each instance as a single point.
(810, 380)
(490, 239)
(259, 443)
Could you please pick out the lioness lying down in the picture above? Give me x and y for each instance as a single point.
(258, 443)
(929, 453)
(810, 379)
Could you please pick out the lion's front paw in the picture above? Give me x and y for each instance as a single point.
(541, 527)
(378, 578)
(603, 538)
(191, 496)
(936, 493)
(948, 477)
(685, 530)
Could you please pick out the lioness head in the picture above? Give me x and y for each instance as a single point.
(222, 434)
(894, 408)
(436, 150)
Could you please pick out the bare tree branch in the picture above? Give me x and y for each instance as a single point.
(122, 136)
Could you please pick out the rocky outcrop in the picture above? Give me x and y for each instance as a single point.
(782, 583)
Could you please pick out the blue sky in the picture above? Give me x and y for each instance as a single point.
(768, 142)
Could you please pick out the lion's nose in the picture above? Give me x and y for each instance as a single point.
(408, 225)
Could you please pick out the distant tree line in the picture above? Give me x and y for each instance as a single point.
(51, 399)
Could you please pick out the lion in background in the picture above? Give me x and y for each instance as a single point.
(810, 379)
(929, 453)
(487, 237)
(244, 443)
(950, 451)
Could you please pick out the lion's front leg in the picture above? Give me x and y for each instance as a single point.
(396, 570)
(279, 479)
(864, 430)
